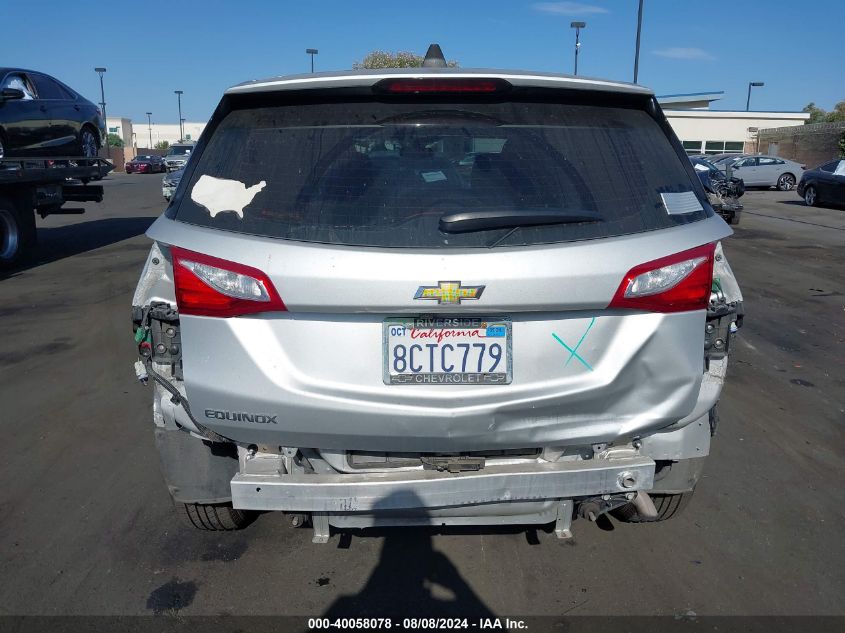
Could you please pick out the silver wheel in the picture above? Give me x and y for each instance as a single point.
(2, 149)
(810, 196)
(89, 143)
(10, 236)
(786, 182)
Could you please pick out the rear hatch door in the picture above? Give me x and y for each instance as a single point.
(452, 272)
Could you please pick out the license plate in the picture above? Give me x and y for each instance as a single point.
(447, 351)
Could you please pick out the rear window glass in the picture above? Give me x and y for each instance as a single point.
(383, 174)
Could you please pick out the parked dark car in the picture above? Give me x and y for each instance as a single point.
(145, 164)
(824, 185)
(41, 116)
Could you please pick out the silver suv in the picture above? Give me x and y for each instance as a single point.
(435, 297)
(177, 156)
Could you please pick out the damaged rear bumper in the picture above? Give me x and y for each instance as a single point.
(426, 489)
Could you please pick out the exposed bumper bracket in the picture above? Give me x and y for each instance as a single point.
(563, 524)
(320, 522)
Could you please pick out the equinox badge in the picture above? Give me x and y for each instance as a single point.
(448, 292)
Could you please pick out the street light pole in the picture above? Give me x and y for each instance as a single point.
(312, 52)
(100, 70)
(756, 84)
(577, 26)
(637, 52)
(150, 127)
(179, 97)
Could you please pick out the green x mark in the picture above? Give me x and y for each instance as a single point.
(573, 352)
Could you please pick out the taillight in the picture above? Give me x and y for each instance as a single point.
(676, 283)
(209, 286)
(441, 85)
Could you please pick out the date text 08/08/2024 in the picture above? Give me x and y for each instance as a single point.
(316, 624)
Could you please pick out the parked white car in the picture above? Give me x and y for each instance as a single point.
(766, 171)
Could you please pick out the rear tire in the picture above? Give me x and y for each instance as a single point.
(17, 231)
(220, 517)
(785, 182)
(89, 147)
(667, 507)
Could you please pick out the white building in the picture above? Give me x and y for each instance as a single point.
(701, 130)
(143, 136)
(705, 131)
(120, 126)
(146, 136)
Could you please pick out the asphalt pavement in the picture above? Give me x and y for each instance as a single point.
(87, 526)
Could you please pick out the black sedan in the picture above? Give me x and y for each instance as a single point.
(146, 164)
(824, 185)
(41, 116)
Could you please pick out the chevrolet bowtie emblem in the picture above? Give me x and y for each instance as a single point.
(448, 292)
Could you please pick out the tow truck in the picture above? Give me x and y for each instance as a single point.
(42, 186)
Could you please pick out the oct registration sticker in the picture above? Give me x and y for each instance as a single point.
(447, 351)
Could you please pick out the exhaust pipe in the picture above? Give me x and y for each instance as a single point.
(645, 506)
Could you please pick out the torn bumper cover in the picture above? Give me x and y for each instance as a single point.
(430, 489)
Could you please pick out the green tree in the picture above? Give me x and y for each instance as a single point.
(162, 145)
(842, 145)
(114, 140)
(838, 112)
(399, 59)
(819, 115)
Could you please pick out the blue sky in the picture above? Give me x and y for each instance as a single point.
(152, 48)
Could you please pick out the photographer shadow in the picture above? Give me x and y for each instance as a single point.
(411, 580)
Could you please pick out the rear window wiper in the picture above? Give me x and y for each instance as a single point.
(487, 219)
